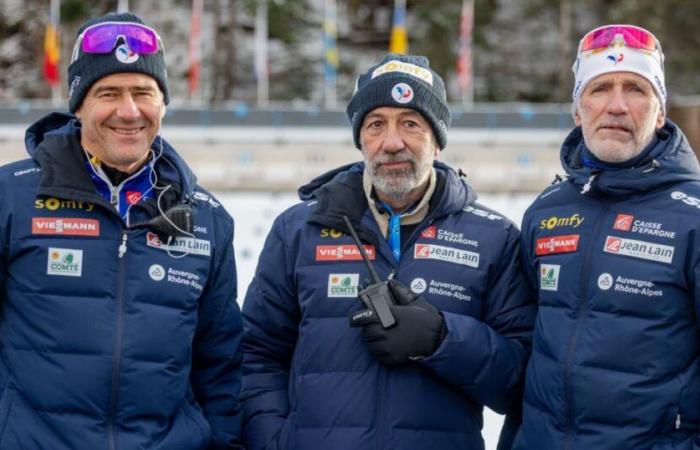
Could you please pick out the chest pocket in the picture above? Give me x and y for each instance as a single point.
(172, 271)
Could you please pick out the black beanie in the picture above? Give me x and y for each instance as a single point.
(401, 81)
(90, 67)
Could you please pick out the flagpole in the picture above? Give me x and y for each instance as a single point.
(398, 41)
(330, 33)
(465, 59)
(194, 51)
(261, 53)
(56, 21)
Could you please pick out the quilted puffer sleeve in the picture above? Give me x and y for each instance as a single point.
(486, 357)
(271, 318)
(216, 358)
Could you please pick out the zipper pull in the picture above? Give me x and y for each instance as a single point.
(587, 187)
(654, 165)
(114, 197)
(122, 246)
(678, 422)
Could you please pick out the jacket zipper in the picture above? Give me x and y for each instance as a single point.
(115, 190)
(410, 241)
(582, 309)
(117, 358)
(384, 371)
(381, 419)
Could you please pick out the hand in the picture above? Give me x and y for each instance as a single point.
(418, 332)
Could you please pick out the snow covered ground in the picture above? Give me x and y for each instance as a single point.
(254, 213)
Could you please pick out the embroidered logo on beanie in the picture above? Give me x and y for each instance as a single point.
(124, 54)
(404, 67)
(402, 93)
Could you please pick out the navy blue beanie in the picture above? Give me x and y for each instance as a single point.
(401, 81)
(90, 67)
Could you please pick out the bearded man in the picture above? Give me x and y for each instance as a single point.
(454, 330)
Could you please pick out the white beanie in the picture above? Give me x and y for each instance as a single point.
(619, 58)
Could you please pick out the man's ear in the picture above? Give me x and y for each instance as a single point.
(660, 118)
(577, 117)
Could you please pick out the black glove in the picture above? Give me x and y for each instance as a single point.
(418, 332)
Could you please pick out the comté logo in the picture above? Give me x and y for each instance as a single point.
(612, 244)
(556, 244)
(342, 252)
(623, 222)
(429, 232)
(65, 226)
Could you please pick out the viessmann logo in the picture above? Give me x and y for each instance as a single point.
(556, 244)
(65, 226)
(639, 249)
(342, 252)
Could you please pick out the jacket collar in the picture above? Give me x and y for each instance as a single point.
(669, 160)
(54, 143)
(340, 192)
(413, 216)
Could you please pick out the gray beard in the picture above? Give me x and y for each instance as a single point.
(399, 184)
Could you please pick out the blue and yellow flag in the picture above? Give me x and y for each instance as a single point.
(398, 43)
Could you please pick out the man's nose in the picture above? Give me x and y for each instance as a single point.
(617, 103)
(128, 109)
(393, 141)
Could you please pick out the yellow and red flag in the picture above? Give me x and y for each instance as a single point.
(52, 53)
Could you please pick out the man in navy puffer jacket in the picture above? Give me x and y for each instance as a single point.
(119, 327)
(312, 381)
(614, 251)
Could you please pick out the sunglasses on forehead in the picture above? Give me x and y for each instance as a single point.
(103, 37)
(633, 37)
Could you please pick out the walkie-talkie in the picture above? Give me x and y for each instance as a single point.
(376, 296)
